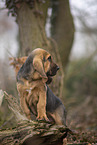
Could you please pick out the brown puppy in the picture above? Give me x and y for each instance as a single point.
(55, 110)
(31, 81)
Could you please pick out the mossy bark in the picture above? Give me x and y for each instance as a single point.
(32, 26)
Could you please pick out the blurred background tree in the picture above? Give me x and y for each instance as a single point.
(68, 29)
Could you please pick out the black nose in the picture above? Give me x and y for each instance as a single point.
(58, 68)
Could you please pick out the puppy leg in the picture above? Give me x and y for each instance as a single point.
(23, 102)
(41, 106)
(59, 115)
(24, 107)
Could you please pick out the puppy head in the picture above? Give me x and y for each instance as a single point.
(39, 64)
(43, 63)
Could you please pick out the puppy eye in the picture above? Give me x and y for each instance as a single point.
(49, 58)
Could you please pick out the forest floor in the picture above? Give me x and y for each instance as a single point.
(82, 119)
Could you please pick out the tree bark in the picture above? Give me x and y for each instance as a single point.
(29, 133)
(32, 26)
(62, 28)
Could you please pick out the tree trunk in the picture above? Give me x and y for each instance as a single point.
(32, 26)
(62, 28)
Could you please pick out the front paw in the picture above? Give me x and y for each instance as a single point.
(42, 117)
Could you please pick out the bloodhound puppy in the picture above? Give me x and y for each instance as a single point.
(31, 81)
(33, 75)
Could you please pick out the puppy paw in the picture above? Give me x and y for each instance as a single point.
(42, 117)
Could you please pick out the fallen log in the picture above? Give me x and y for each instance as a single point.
(34, 134)
(28, 132)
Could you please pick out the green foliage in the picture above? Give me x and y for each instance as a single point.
(81, 79)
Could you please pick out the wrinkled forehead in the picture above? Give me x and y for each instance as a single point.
(46, 55)
(41, 52)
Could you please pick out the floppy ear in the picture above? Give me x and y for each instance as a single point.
(38, 66)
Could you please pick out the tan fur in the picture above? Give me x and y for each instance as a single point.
(29, 93)
(57, 115)
(34, 91)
